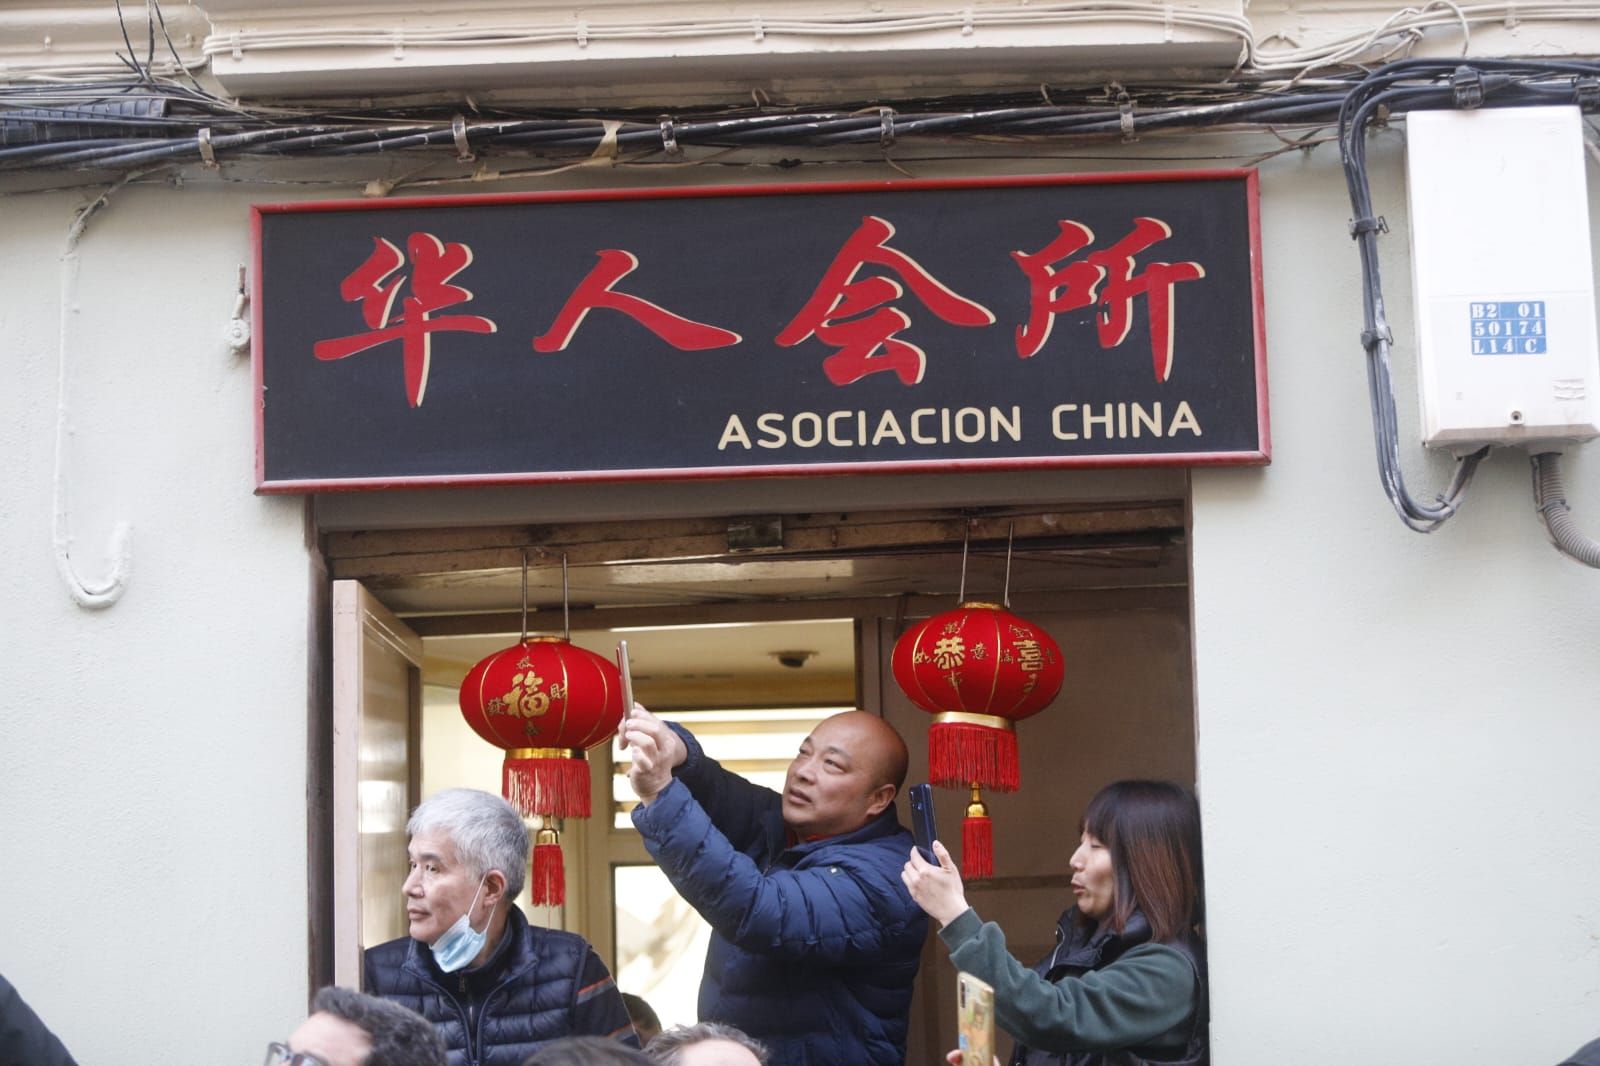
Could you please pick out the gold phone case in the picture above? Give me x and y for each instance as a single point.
(624, 668)
(975, 1020)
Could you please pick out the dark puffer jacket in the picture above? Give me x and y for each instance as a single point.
(1101, 998)
(814, 947)
(539, 985)
(23, 1037)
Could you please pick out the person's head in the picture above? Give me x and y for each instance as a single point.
(645, 1023)
(847, 773)
(586, 1051)
(706, 1044)
(348, 1028)
(465, 845)
(1139, 849)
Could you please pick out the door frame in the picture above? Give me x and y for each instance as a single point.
(358, 616)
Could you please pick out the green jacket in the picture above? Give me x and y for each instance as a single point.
(1103, 991)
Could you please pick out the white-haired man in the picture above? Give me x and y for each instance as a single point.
(495, 987)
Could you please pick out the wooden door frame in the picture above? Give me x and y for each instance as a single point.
(356, 615)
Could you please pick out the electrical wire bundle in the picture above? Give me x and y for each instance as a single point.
(142, 123)
(1412, 85)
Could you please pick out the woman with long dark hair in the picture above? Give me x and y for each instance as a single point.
(1126, 981)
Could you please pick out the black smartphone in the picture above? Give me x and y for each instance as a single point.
(923, 829)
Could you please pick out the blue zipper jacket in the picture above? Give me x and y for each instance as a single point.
(814, 947)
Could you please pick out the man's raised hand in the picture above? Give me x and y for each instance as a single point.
(654, 750)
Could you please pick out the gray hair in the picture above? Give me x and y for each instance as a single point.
(399, 1037)
(667, 1049)
(487, 831)
(586, 1051)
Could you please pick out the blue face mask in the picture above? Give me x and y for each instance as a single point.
(460, 943)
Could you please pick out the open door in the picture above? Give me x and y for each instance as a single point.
(377, 714)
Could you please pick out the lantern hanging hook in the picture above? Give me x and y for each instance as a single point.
(566, 613)
(966, 537)
(1005, 592)
(524, 638)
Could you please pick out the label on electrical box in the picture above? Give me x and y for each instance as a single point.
(1508, 327)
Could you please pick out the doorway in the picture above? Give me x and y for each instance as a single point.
(751, 629)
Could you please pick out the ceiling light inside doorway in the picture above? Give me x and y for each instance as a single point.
(794, 660)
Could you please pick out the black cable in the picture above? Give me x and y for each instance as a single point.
(185, 112)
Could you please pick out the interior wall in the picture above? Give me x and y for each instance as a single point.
(1397, 733)
(1125, 710)
(453, 756)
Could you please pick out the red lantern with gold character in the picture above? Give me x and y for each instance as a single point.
(546, 701)
(978, 669)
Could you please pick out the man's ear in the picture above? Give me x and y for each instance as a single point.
(879, 800)
(494, 887)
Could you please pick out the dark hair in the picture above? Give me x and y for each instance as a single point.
(640, 1012)
(400, 1037)
(1153, 831)
(586, 1051)
(667, 1049)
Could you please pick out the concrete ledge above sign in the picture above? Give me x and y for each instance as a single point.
(784, 330)
(691, 51)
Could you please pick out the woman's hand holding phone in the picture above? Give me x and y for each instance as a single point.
(936, 889)
(954, 1058)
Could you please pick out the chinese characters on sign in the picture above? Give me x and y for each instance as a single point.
(595, 291)
(852, 316)
(1080, 286)
(433, 264)
(1003, 323)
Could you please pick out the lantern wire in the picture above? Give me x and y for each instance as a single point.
(566, 610)
(524, 596)
(966, 537)
(1005, 592)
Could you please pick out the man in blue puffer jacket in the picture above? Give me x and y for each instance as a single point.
(495, 987)
(815, 941)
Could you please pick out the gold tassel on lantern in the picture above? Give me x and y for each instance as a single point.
(977, 840)
(549, 871)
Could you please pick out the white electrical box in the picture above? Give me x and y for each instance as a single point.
(1503, 277)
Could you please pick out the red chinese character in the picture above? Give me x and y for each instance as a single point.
(433, 264)
(594, 291)
(867, 345)
(1078, 284)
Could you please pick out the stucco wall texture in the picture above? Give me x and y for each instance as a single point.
(1397, 732)
(154, 789)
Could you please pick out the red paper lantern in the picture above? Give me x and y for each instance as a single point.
(978, 669)
(545, 701)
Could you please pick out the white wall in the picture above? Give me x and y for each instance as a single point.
(1397, 733)
(154, 786)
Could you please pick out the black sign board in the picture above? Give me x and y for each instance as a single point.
(927, 325)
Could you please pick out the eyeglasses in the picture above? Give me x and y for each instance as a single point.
(280, 1055)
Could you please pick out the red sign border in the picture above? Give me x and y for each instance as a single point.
(1260, 457)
